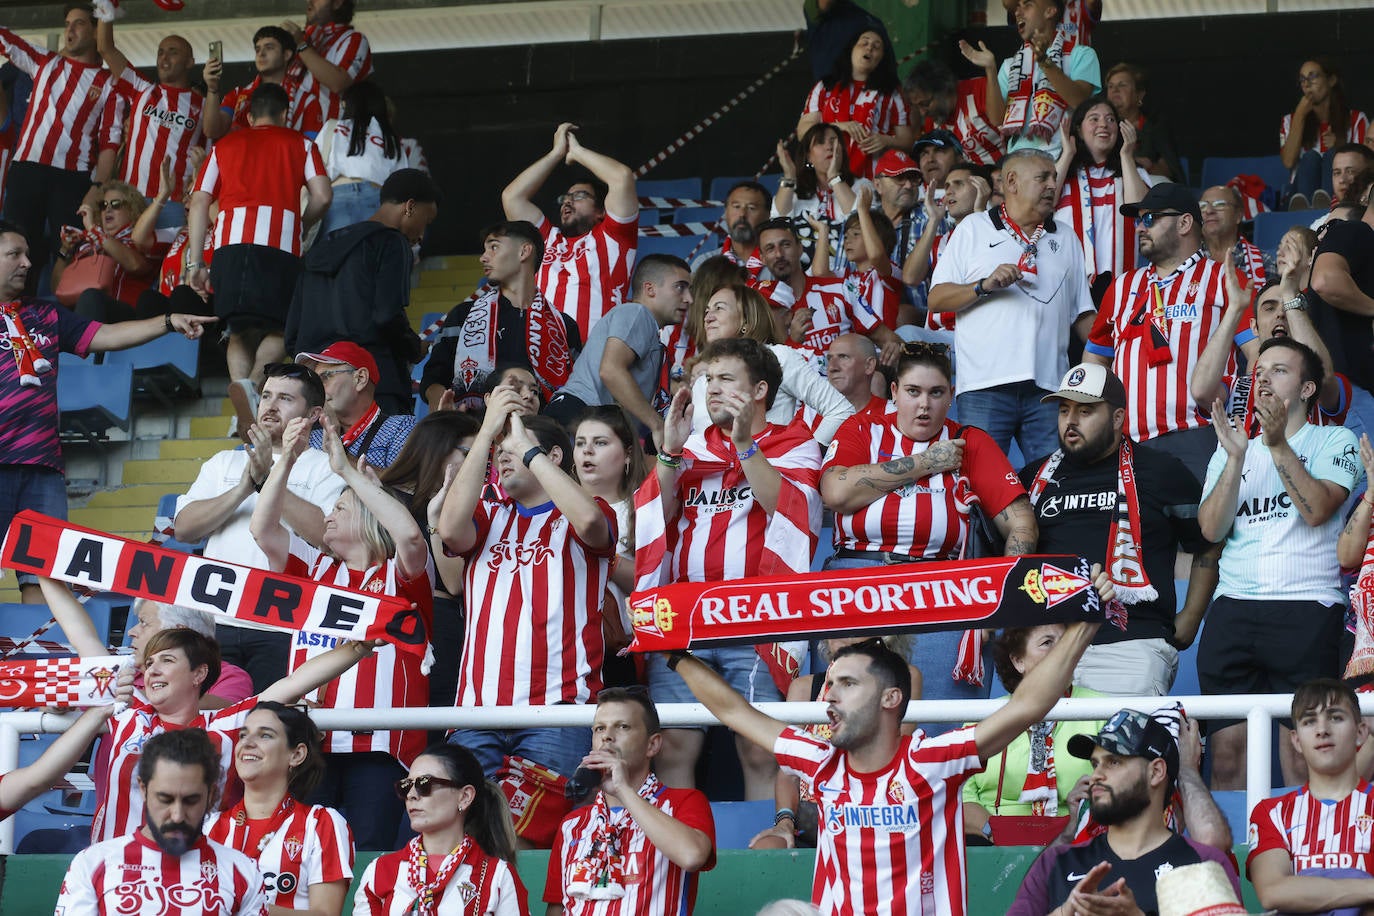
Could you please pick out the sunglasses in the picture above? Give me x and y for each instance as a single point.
(924, 348)
(424, 786)
(113, 205)
(1149, 219)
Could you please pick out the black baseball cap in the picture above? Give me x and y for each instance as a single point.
(939, 138)
(1130, 733)
(1165, 196)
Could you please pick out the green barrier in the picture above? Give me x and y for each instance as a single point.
(741, 883)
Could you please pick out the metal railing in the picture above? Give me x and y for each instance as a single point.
(1258, 710)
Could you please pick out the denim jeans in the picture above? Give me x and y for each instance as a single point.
(1013, 411)
(559, 749)
(353, 202)
(1313, 171)
(31, 486)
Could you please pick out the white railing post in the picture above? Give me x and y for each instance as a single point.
(1258, 772)
(9, 760)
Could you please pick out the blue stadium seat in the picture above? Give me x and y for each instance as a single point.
(737, 822)
(648, 216)
(93, 399)
(1270, 227)
(698, 214)
(421, 408)
(682, 246)
(825, 546)
(164, 368)
(20, 621)
(689, 188)
(167, 508)
(1221, 169)
(1185, 681)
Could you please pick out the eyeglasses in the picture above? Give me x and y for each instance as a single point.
(574, 196)
(347, 370)
(1214, 204)
(113, 205)
(424, 786)
(1149, 219)
(1308, 78)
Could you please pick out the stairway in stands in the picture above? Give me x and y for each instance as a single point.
(117, 490)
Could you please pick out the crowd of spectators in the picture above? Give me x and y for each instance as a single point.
(994, 293)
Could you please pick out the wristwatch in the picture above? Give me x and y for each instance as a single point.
(1298, 302)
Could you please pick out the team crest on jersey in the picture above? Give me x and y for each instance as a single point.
(1049, 585)
(468, 891)
(1192, 290)
(1163, 869)
(1364, 827)
(293, 846)
(374, 585)
(208, 871)
(896, 793)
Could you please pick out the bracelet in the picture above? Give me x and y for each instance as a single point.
(750, 452)
(672, 462)
(676, 656)
(784, 814)
(787, 182)
(257, 487)
(978, 289)
(836, 180)
(303, 46)
(531, 455)
(167, 320)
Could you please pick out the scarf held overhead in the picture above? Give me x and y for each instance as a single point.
(916, 597)
(49, 547)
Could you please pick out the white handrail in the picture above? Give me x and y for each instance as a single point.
(1257, 709)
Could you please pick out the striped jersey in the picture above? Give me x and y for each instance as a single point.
(344, 47)
(879, 112)
(834, 311)
(928, 518)
(1189, 303)
(1316, 833)
(386, 679)
(588, 275)
(163, 121)
(257, 176)
(880, 294)
(72, 107)
(1089, 205)
(534, 590)
(303, 113)
(388, 888)
(1271, 553)
(980, 139)
(1355, 132)
(132, 876)
(312, 845)
(890, 843)
(119, 800)
(653, 884)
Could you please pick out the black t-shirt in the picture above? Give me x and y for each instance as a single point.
(1348, 336)
(512, 347)
(1075, 515)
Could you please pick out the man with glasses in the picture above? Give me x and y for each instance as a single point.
(1135, 764)
(219, 507)
(637, 848)
(623, 360)
(1223, 210)
(939, 101)
(587, 257)
(349, 374)
(1155, 321)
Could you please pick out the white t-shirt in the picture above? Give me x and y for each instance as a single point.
(801, 387)
(1022, 332)
(371, 164)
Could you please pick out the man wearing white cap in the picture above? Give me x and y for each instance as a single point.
(1135, 763)
(1101, 496)
(350, 378)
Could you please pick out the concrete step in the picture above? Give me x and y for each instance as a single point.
(449, 262)
(146, 495)
(200, 449)
(136, 519)
(216, 428)
(176, 473)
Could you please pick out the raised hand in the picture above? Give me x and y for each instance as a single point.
(1130, 137)
(677, 423)
(786, 162)
(1273, 416)
(1229, 435)
(980, 56)
(560, 138)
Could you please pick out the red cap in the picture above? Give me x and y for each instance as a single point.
(894, 162)
(347, 354)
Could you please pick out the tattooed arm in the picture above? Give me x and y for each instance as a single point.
(1017, 524)
(849, 489)
(1354, 537)
(1316, 500)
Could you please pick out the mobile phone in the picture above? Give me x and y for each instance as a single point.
(217, 50)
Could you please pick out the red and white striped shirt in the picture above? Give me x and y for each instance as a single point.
(833, 312)
(880, 112)
(534, 591)
(1089, 204)
(653, 884)
(303, 113)
(119, 800)
(1314, 833)
(1355, 133)
(313, 845)
(344, 47)
(927, 519)
(1078, 21)
(387, 888)
(939, 321)
(589, 275)
(132, 876)
(977, 135)
(72, 108)
(163, 121)
(386, 679)
(890, 843)
(257, 176)
(880, 295)
(1189, 303)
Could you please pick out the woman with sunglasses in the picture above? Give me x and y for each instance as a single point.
(107, 235)
(462, 863)
(901, 485)
(371, 543)
(1097, 174)
(305, 852)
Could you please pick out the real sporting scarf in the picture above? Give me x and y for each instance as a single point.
(1029, 244)
(545, 334)
(1125, 562)
(599, 873)
(27, 357)
(430, 891)
(59, 550)
(64, 682)
(1034, 109)
(1083, 189)
(993, 592)
(1151, 320)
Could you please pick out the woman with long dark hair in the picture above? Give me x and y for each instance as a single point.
(360, 149)
(463, 860)
(817, 181)
(862, 96)
(308, 849)
(1321, 121)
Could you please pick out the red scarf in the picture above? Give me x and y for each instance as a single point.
(357, 429)
(1082, 191)
(600, 873)
(1151, 321)
(1025, 263)
(1034, 109)
(30, 360)
(1362, 607)
(545, 333)
(428, 892)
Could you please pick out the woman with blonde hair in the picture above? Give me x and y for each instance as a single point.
(106, 236)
